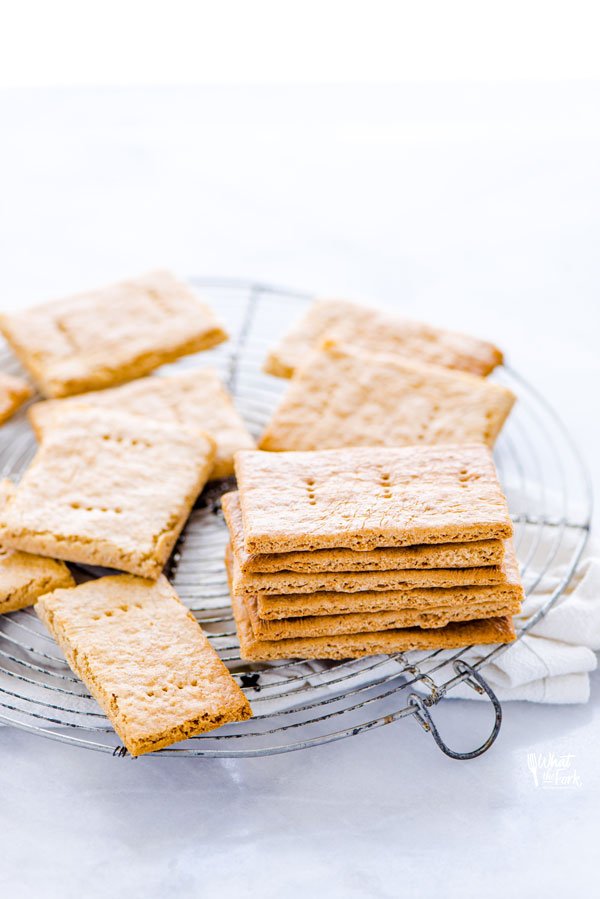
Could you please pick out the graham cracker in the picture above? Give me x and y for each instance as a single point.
(107, 336)
(367, 497)
(341, 396)
(107, 488)
(479, 553)
(25, 577)
(13, 393)
(144, 658)
(366, 622)
(378, 331)
(423, 599)
(194, 398)
(350, 646)
(291, 582)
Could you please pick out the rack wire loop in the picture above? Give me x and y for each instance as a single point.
(421, 706)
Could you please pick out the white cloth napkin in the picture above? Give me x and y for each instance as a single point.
(552, 662)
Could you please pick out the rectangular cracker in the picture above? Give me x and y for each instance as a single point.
(107, 336)
(13, 393)
(25, 577)
(367, 497)
(479, 553)
(422, 599)
(350, 646)
(195, 398)
(294, 583)
(107, 488)
(144, 658)
(379, 331)
(341, 396)
(366, 622)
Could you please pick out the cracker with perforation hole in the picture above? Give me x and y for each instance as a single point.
(107, 488)
(25, 577)
(13, 393)
(350, 646)
(341, 396)
(367, 497)
(450, 555)
(110, 335)
(195, 398)
(379, 332)
(144, 658)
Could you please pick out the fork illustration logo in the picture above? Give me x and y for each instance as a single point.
(553, 772)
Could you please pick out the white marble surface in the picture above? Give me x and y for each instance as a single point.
(472, 206)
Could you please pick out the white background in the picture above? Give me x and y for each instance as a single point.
(467, 193)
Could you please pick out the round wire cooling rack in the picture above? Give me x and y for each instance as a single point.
(298, 704)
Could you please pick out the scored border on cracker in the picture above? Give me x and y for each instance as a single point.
(110, 335)
(379, 331)
(342, 396)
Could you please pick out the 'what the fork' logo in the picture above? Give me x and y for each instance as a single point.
(553, 772)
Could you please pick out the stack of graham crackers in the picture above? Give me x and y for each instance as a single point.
(351, 552)
(397, 543)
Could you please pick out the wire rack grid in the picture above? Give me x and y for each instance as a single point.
(298, 704)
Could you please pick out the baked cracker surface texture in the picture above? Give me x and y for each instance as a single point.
(13, 393)
(144, 658)
(107, 488)
(349, 646)
(366, 622)
(367, 497)
(195, 398)
(341, 396)
(110, 335)
(291, 582)
(479, 553)
(25, 577)
(378, 331)
(423, 599)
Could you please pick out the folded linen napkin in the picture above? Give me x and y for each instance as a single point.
(552, 662)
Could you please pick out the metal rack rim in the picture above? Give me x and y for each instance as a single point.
(255, 391)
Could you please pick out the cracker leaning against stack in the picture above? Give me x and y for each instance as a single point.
(424, 532)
